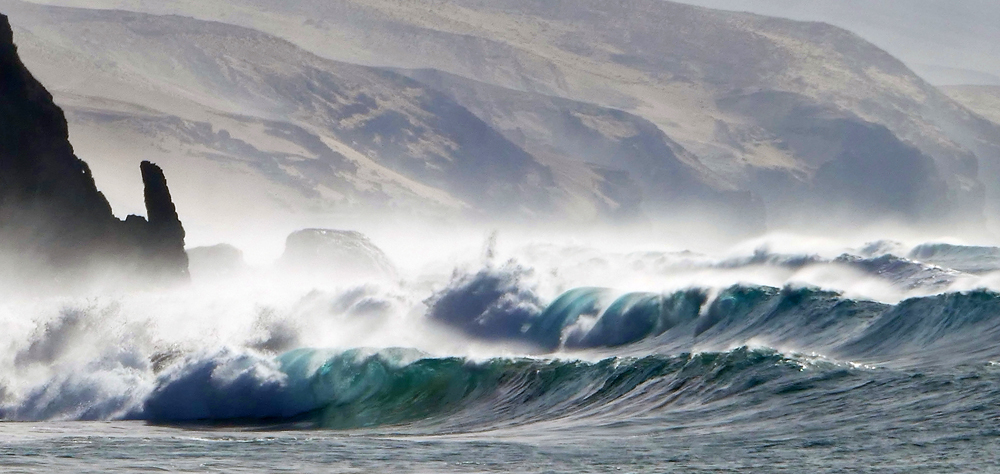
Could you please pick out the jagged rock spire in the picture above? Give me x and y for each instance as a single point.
(54, 223)
(165, 240)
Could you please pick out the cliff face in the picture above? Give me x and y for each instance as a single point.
(48, 198)
(54, 223)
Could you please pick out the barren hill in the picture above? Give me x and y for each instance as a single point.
(821, 124)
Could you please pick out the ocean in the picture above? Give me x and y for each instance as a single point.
(881, 357)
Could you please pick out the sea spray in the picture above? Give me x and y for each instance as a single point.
(477, 335)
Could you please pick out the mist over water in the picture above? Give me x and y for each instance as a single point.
(109, 355)
(511, 336)
(474, 236)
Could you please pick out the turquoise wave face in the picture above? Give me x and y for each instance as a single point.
(615, 321)
(805, 318)
(365, 388)
(406, 390)
(678, 358)
(361, 388)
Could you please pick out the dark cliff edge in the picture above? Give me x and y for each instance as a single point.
(56, 228)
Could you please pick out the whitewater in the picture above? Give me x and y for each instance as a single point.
(780, 354)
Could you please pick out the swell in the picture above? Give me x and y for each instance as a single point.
(966, 258)
(670, 355)
(948, 328)
(657, 354)
(400, 391)
(358, 389)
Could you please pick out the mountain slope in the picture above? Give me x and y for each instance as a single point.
(770, 106)
(311, 134)
(225, 94)
(943, 41)
(983, 100)
(569, 134)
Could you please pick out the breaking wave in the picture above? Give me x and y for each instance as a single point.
(360, 388)
(501, 346)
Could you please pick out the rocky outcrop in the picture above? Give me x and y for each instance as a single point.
(163, 246)
(55, 226)
(339, 253)
(215, 261)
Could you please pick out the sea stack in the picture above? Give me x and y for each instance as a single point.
(164, 241)
(55, 225)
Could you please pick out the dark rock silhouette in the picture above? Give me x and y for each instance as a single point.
(55, 225)
(163, 248)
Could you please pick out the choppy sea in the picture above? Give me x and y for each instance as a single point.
(882, 357)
